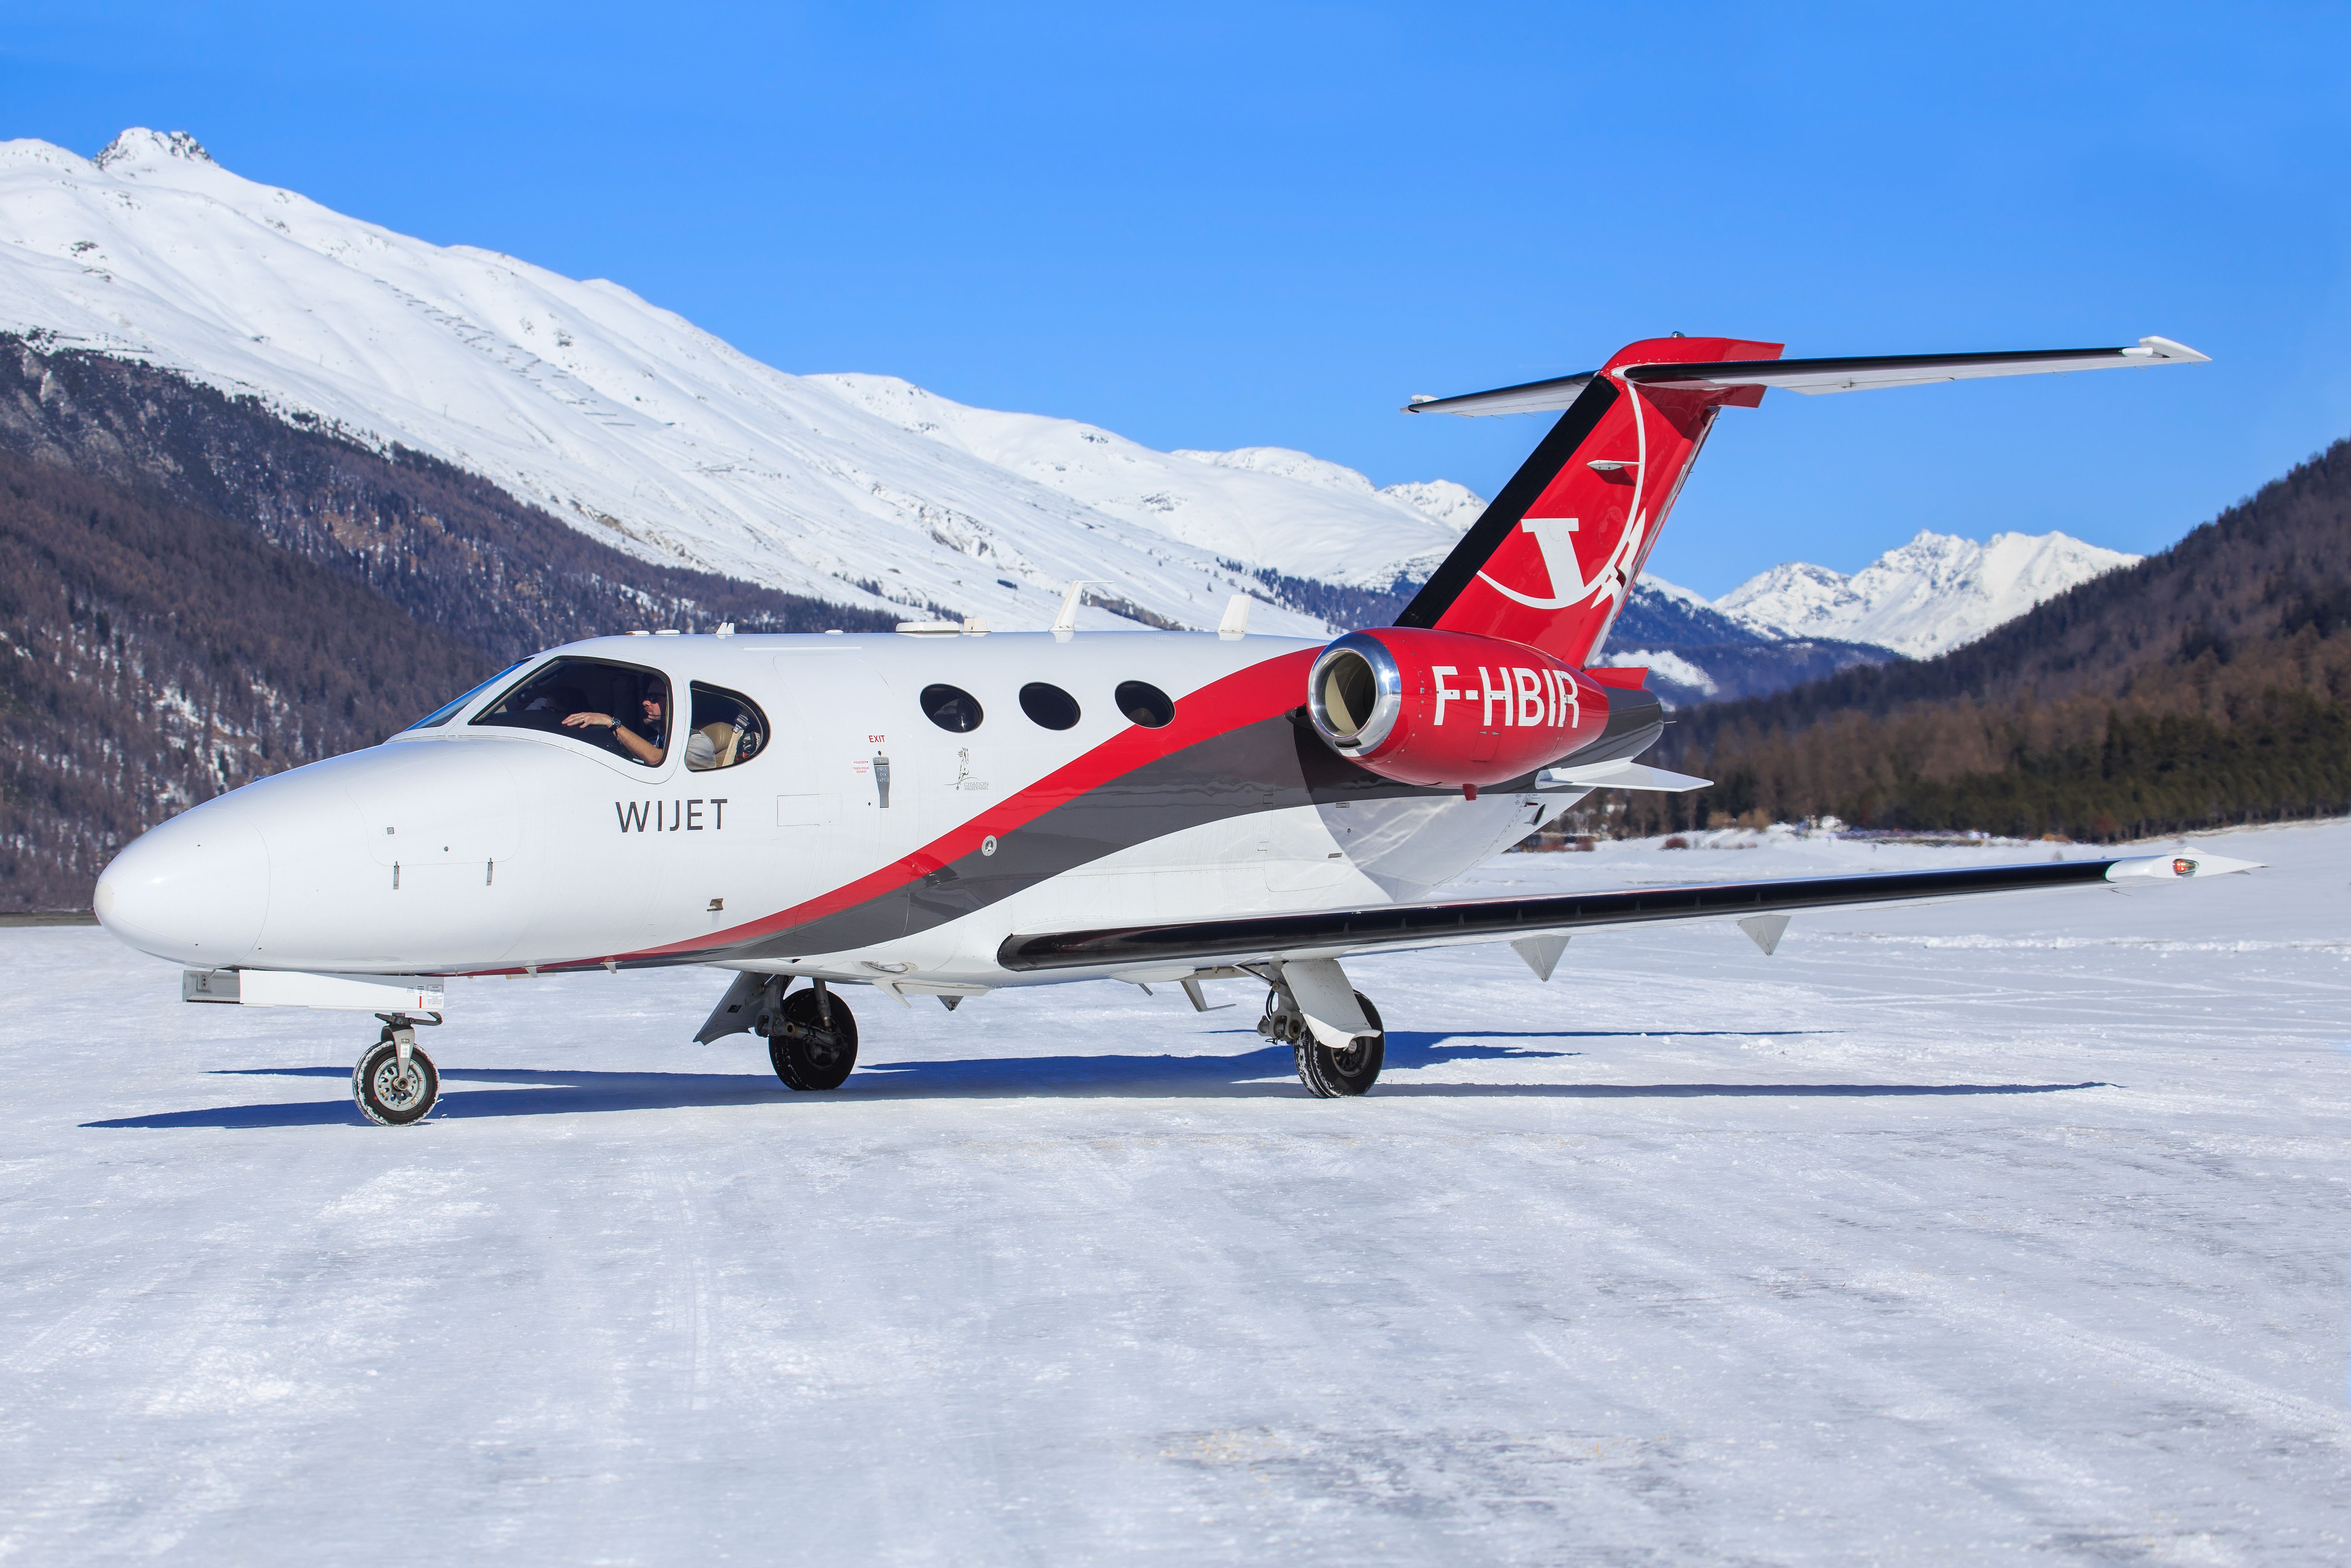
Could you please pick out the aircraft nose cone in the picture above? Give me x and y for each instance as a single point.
(195, 890)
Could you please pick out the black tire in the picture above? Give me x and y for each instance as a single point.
(1328, 1075)
(807, 1054)
(385, 1095)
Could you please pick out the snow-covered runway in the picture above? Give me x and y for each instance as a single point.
(2000, 1230)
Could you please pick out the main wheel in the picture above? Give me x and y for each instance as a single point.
(1329, 1073)
(808, 1053)
(389, 1096)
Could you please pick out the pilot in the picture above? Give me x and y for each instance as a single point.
(647, 748)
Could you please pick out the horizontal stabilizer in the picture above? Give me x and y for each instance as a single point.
(1531, 397)
(1814, 377)
(1618, 776)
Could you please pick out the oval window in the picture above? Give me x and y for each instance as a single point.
(952, 707)
(1145, 703)
(1048, 705)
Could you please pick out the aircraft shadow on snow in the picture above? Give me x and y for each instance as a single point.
(475, 1091)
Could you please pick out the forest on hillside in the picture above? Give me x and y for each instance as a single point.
(2203, 686)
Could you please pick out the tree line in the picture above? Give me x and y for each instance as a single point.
(2203, 686)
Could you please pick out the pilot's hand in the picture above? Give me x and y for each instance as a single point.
(584, 720)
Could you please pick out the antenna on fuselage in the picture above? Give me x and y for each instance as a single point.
(1066, 622)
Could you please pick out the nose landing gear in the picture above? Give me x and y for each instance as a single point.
(395, 1083)
(812, 1040)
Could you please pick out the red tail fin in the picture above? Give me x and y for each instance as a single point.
(1551, 562)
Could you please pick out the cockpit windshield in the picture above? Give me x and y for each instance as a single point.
(622, 708)
(455, 705)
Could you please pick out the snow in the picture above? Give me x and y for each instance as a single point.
(1923, 597)
(1667, 664)
(633, 425)
(1295, 513)
(1689, 598)
(2005, 1230)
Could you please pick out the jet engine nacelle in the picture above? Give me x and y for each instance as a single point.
(1449, 709)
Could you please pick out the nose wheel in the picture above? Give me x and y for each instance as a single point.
(814, 1040)
(395, 1083)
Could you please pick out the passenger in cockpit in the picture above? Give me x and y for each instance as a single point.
(647, 746)
(722, 743)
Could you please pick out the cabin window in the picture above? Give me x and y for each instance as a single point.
(1048, 705)
(728, 729)
(455, 705)
(1145, 703)
(952, 708)
(620, 708)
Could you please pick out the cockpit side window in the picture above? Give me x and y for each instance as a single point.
(728, 729)
(623, 708)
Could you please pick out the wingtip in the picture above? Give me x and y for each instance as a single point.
(2166, 349)
(2184, 864)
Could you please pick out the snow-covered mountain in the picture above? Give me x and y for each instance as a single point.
(647, 433)
(1923, 597)
(654, 437)
(1264, 506)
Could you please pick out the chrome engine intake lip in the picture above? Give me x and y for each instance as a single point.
(1344, 665)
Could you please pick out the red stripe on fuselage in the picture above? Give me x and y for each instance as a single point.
(1243, 697)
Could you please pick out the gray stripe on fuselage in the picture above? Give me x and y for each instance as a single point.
(1272, 765)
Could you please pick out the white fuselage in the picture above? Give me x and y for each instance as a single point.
(466, 849)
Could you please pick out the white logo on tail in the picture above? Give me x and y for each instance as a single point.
(1567, 582)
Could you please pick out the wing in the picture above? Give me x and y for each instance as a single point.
(1329, 932)
(1814, 377)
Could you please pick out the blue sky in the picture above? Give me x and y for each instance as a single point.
(1211, 227)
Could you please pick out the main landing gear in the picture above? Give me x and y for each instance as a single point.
(394, 1082)
(812, 1039)
(1327, 1071)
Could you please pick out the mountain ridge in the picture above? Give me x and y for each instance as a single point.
(1922, 598)
(634, 427)
(623, 419)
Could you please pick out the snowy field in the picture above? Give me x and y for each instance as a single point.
(2006, 1230)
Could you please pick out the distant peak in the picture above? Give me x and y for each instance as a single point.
(139, 145)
